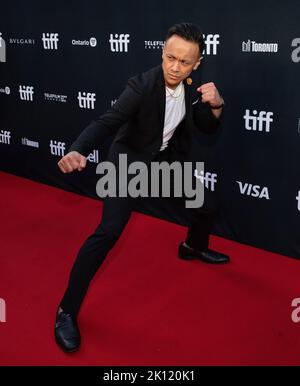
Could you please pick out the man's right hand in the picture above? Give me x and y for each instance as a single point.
(72, 161)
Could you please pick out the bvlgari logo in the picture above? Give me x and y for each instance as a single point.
(22, 41)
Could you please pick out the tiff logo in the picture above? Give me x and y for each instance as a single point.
(2, 311)
(2, 49)
(253, 190)
(211, 44)
(296, 51)
(57, 148)
(263, 119)
(5, 137)
(26, 93)
(119, 43)
(208, 178)
(50, 41)
(86, 100)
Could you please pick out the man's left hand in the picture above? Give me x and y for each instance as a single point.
(210, 95)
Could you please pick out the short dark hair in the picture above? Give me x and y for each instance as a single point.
(188, 31)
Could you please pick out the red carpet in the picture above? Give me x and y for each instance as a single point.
(145, 306)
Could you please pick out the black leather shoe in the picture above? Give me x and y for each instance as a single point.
(66, 332)
(208, 256)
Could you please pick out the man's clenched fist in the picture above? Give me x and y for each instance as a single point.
(210, 94)
(72, 161)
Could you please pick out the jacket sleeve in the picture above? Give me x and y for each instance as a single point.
(97, 131)
(204, 118)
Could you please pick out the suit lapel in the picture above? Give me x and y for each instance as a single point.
(188, 96)
(160, 95)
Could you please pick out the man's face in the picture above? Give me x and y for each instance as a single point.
(180, 57)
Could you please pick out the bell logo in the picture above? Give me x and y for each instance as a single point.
(253, 190)
(94, 157)
(296, 51)
(261, 122)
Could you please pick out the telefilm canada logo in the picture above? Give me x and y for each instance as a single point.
(212, 42)
(55, 97)
(154, 44)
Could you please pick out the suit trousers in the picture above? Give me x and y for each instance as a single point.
(115, 216)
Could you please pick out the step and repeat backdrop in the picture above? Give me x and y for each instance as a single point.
(62, 65)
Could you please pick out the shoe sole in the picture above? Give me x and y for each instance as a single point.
(64, 350)
(192, 257)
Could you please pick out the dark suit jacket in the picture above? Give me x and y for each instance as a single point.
(137, 120)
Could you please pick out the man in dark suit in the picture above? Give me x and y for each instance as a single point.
(153, 120)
